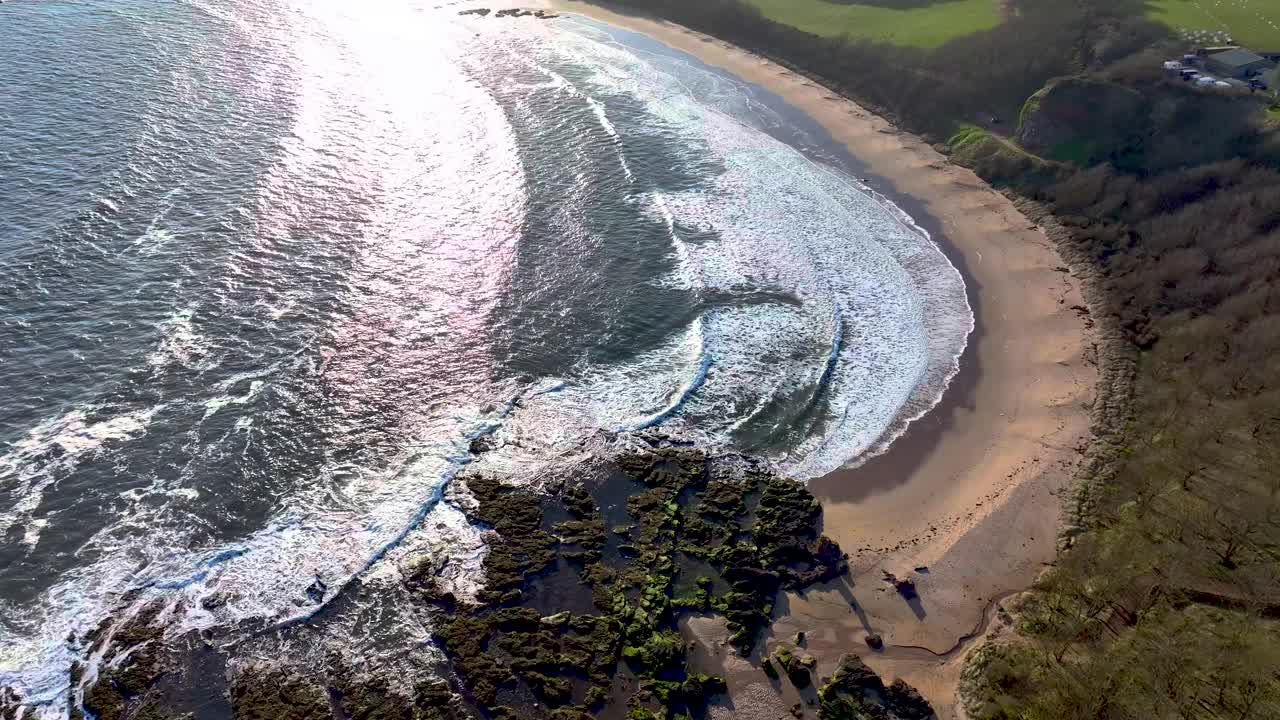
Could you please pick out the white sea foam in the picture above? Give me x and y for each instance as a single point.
(367, 522)
(352, 522)
(598, 109)
(180, 343)
(34, 662)
(213, 405)
(877, 319)
(52, 449)
(156, 236)
(683, 277)
(153, 240)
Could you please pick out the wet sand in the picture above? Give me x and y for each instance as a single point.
(972, 491)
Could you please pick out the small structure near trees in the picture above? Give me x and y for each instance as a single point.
(1237, 63)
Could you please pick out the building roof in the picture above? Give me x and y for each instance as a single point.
(1236, 58)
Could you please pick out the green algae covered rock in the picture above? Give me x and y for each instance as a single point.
(272, 694)
(856, 691)
(748, 532)
(566, 606)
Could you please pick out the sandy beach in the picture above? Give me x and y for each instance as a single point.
(967, 503)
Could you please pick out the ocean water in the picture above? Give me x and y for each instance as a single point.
(268, 267)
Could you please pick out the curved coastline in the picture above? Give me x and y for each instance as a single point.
(963, 492)
(969, 499)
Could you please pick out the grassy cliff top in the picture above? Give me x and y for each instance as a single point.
(918, 24)
(1255, 23)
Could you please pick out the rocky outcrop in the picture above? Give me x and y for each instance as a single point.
(133, 659)
(569, 605)
(855, 691)
(798, 667)
(265, 692)
(906, 587)
(1081, 121)
(10, 704)
(702, 535)
(521, 12)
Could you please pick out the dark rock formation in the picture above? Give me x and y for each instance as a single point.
(566, 608)
(132, 663)
(799, 669)
(521, 12)
(483, 444)
(263, 692)
(856, 692)
(685, 515)
(906, 587)
(10, 704)
(316, 590)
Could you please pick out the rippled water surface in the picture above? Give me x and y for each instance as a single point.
(268, 267)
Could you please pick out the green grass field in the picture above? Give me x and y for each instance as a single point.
(1254, 23)
(926, 27)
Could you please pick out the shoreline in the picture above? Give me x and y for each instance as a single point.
(974, 490)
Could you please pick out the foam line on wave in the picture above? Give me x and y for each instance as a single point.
(225, 556)
(714, 269)
(46, 686)
(957, 326)
(598, 109)
(921, 387)
(457, 461)
(686, 392)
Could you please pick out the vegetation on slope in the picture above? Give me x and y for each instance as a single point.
(977, 76)
(1167, 605)
(976, 147)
